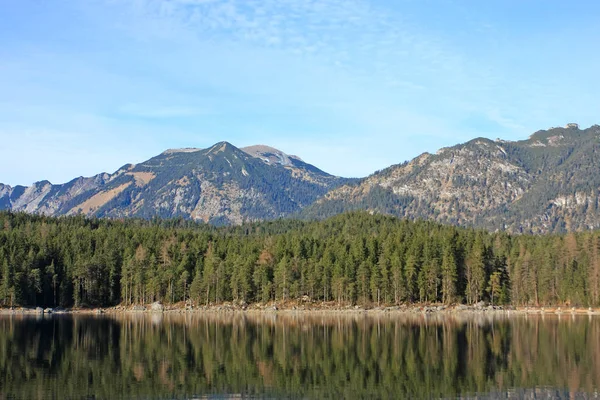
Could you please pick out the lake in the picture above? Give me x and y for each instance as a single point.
(186, 356)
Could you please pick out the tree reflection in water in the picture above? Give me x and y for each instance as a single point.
(309, 356)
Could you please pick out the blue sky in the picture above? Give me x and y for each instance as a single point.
(351, 86)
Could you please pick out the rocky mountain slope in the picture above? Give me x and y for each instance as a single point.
(220, 185)
(547, 183)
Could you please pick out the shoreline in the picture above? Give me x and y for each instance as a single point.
(313, 308)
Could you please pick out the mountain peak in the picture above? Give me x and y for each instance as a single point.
(221, 184)
(546, 183)
(221, 147)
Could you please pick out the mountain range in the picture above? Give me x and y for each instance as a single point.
(549, 182)
(219, 185)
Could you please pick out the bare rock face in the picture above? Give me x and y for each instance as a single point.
(218, 185)
(157, 307)
(5, 194)
(547, 183)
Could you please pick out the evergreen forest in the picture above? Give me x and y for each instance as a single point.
(353, 258)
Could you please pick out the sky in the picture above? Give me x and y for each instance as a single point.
(351, 86)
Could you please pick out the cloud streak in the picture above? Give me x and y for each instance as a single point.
(352, 85)
(161, 112)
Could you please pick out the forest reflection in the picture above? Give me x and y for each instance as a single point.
(309, 356)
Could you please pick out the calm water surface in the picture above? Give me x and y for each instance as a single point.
(291, 356)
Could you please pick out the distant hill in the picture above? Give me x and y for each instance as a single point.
(547, 183)
(219, 185)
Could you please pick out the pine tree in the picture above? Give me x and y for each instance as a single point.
(475, 272)
(495, 287)
(362, 276)
(196, 286)
(397, 280)
(593, 248)
(282, 279)
(7, 286)
(379, 278)
(411, 272)
(209, 274)
(263, 276)
(449, 275)
(183, 282)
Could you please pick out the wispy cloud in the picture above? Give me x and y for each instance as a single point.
(368, 81)
(354, 34)
(160, 112)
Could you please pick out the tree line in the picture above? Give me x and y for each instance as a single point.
(353, 258)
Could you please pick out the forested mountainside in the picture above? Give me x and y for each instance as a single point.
(220, 185)
(350, 258)
(547, 183)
